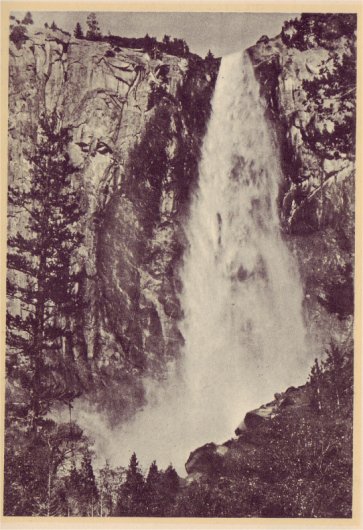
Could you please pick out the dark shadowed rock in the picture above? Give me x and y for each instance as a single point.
(207, 459)
(134, 142)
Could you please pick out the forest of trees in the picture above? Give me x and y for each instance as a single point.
(301, 463)
(40, 282)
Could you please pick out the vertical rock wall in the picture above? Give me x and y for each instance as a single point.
(317, 195)
(136, 126)
(135, 147)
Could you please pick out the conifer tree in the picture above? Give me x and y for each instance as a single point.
(316, 381)
(170, 487)
(78, 32)
(131, 500)
(88, 484)
(28, 19)
(153, 493)
(109, 481)
(39, 278)
(93, 31)
(209, 57)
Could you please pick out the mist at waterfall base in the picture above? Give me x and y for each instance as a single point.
(242, 299)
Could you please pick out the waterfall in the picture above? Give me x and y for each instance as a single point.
(242, 300)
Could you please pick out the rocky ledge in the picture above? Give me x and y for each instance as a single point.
(210, 459)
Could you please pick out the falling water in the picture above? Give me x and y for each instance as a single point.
(242, 300)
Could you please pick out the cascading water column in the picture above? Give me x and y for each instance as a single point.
(242, 299)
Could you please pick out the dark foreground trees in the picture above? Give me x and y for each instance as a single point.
(41, 303)
(297, 465)
(78, 32)
(40, 283)
(43, 469)
(152, 495)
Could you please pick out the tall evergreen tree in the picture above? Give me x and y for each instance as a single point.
(131, 500)
(89, 488)
(28, 19)
(209, 57)
(153, 493)
(39, 279)
(78, 32)
(316, 381)
(93, 31)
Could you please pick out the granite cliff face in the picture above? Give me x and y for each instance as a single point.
(137, 123)
(315, 136)
(307, 75)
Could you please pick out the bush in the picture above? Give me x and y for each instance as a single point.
(18, 35)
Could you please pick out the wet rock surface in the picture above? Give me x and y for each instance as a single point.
(213, 460)
(317, 192)
(130, 153)
(136, 162)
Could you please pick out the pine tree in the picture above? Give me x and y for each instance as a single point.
(131, 500)
(93, 31)
(88, 484)
(39, 265)
(78, 32)
(338, 375)
(171, 480)
(209, 57)
(28, 19)
(149, 43)
(105, 481)
(109, 481)
(153, 493)
(53, 26)
(170, 486)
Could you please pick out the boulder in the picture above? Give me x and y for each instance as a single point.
(207, 459)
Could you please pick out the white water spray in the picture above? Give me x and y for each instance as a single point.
(242, 299)
(243, 327)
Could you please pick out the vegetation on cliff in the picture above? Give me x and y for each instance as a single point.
(179, 121)
(318, 29)
(40, 281)
(298, 464)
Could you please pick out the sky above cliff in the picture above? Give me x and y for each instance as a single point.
(223, 33)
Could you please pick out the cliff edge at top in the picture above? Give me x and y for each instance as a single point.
(136, 119)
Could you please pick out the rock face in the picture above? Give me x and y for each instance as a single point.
(306, 73)
(316, 199)
(296, 397)
(136, 125)
(211, 459)
(207, 459)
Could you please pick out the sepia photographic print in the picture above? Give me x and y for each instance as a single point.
(180, 271)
